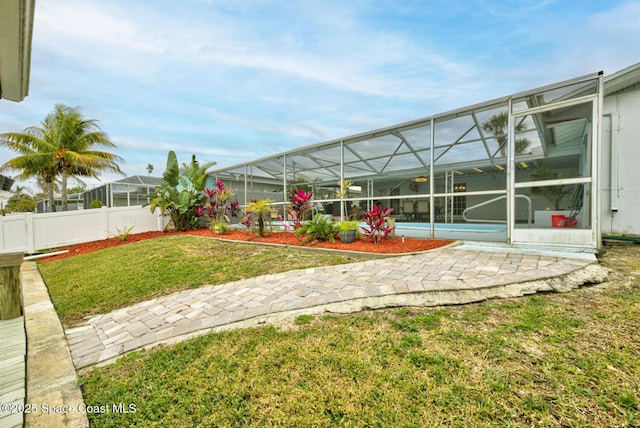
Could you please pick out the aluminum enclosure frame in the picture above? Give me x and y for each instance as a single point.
(397, 153)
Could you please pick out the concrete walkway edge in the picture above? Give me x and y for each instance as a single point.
(53, 396)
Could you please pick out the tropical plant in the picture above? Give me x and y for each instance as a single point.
(347, 225)
(63, 145)
(217, 206)
(180, 193)
(554, 194)
(123, 233)
(321, 228)
(300, 206)
(377, 227)
(256, 215)
(343, 190)
(348, 230)
(496, 124)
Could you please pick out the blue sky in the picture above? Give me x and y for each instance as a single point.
(231, 80)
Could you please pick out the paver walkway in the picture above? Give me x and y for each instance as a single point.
(445, 276)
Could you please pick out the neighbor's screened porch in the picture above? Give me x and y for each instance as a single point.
(506, 170)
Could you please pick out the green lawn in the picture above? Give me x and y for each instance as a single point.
(99, 282)
(536, 361)
(552, 360)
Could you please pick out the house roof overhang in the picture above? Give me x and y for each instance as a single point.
(16, 30)
(623, 80)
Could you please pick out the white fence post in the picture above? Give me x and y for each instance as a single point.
(159, 220)
(104, 219)
(31, 237)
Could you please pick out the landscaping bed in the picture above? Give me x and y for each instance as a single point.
(396, 245)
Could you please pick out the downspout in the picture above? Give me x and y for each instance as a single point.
(613, 163)
(597, 164)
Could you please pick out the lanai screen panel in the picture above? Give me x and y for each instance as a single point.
(419, 138)
(561, 157)
(561, 93)
(463, 145)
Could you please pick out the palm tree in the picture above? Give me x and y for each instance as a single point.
(258, 212)
(33, 164)
(496, 124)
(63, 145)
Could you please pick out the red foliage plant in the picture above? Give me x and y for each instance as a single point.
(377, 225)
(300, 206)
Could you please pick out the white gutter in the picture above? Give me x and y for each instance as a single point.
(16, 30)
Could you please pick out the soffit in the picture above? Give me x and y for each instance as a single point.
(16, 29)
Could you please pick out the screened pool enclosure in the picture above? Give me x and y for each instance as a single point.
(519, 169)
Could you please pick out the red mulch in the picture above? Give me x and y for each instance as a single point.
(389, 246)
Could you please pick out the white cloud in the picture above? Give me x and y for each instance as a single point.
(237, 80)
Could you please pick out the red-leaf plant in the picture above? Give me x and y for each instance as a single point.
(217, 205)
(377, 226)
(300, 206)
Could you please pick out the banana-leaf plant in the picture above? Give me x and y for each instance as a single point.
(342, 193)
(180, 193)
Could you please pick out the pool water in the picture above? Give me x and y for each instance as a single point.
(458, 231)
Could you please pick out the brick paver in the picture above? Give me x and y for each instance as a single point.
(448, 275)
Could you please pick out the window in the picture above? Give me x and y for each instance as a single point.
(459, 202)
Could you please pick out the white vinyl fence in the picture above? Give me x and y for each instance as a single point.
(30, 233)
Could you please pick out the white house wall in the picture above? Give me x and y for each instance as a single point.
(621, 165)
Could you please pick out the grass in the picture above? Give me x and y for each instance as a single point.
(553, 360)
(478, 365)
(99, 282)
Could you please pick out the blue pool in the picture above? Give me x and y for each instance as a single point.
(458, 231)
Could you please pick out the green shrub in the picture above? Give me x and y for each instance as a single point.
(320, 228)
(96, 203)
(221, 228)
